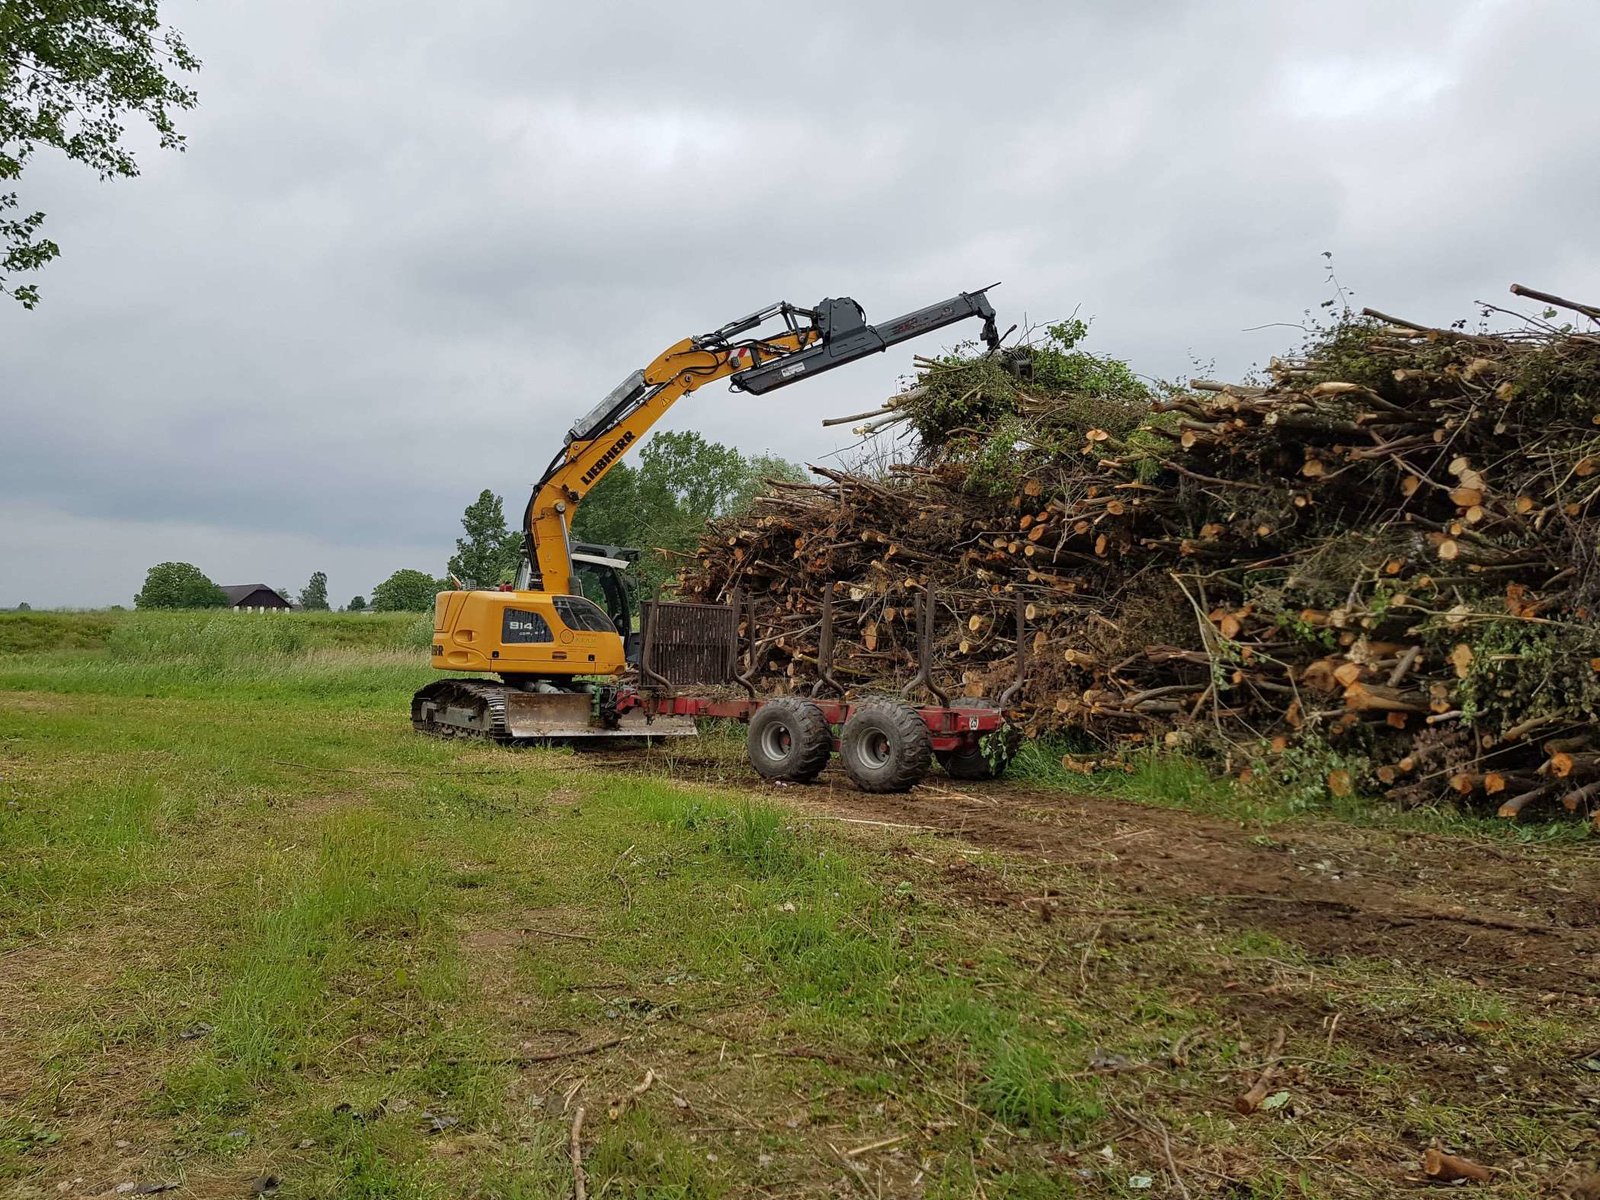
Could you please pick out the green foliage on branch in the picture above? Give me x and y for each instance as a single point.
(178, 585)
(1058, 364)
(72, 73)
(999, 412)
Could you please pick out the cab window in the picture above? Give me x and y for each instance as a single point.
(584, 615)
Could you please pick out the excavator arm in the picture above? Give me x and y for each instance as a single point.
(810, 342)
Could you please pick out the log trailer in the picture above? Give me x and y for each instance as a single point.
(559, 658)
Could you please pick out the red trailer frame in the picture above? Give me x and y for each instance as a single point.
(952, 729)
(791, 737)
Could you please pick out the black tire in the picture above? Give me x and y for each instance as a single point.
(970, 764)
(885, 747)
(788, 740)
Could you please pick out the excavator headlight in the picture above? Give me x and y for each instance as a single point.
(622, 396)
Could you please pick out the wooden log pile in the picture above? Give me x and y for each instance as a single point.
(1388, 548)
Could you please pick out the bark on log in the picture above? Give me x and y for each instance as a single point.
(1451, 1168)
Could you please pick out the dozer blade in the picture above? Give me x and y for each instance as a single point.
(531, 715)
(634, 724)
(478, 708)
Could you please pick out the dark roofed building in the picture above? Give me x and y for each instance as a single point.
(253, 595)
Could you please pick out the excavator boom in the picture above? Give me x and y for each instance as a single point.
(810, 342)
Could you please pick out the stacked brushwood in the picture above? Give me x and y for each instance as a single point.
(1388, 549)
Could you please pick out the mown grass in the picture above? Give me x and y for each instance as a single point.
(277, 886)
(251, 926)
(852, 963)
(305, 921)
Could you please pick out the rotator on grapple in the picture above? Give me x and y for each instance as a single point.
(560, 657)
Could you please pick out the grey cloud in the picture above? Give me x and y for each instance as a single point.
(410, 241)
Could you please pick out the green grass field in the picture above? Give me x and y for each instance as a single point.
(257, 934)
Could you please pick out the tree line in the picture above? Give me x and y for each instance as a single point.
(660, 506)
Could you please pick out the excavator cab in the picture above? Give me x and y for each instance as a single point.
(602, 573)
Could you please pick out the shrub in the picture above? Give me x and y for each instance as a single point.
(178, 585)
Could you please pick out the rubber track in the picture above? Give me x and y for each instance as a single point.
(489, 699)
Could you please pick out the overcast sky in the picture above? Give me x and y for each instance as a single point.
(410, 241)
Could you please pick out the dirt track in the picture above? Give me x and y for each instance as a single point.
(1411, 969)
(1522, 916)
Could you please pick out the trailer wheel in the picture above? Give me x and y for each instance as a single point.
(885, 747)
(971, 764)
(789, 740)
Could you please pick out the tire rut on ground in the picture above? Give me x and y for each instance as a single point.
(1524, 917)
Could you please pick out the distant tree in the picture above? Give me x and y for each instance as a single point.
(314, 596)
(759, 468)
(178, 585)
(24, 607)
(683, 473)
(357, 604)
(72, 73)
(610, 513)
(488, 554)
(682, 481)
(406, 591)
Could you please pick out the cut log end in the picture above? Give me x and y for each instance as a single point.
(1451, 1168)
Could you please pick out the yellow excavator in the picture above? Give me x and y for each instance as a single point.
(557, 654)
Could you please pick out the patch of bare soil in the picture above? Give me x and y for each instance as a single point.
(105, 1138)
(1494, 919)
(1518, 916)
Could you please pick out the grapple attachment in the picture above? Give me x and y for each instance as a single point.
(688, 644)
